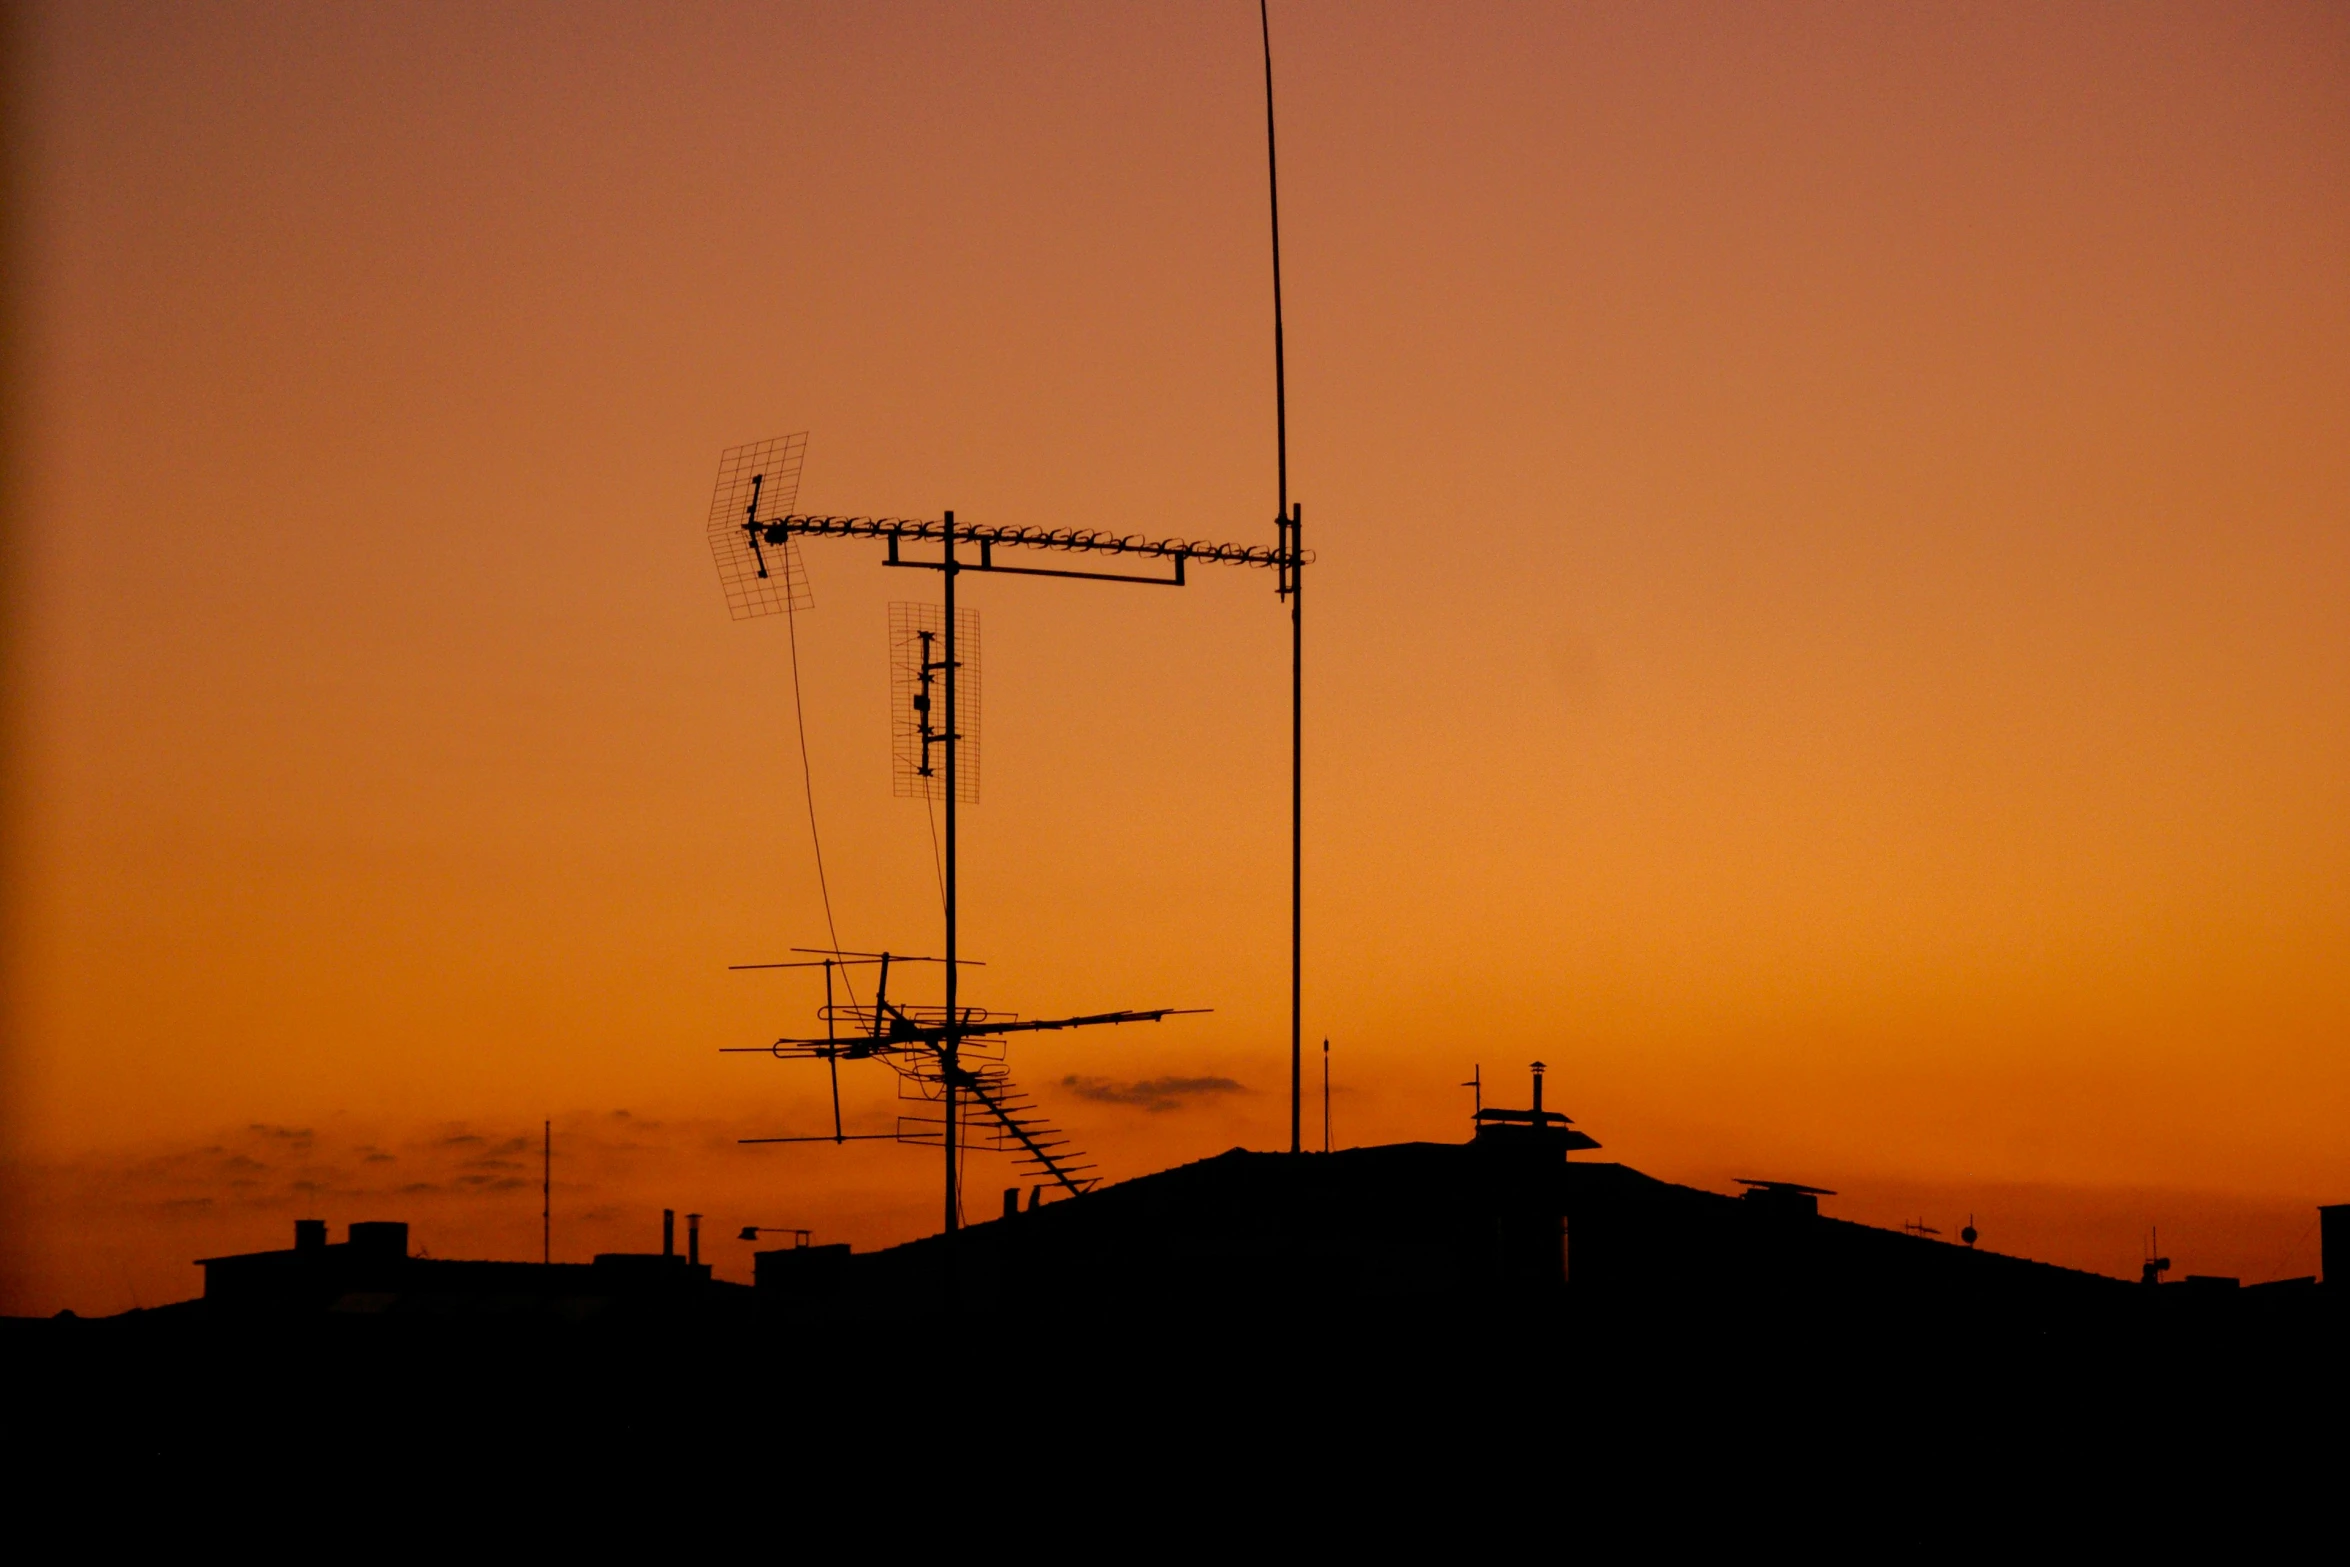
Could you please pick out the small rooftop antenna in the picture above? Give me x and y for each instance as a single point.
(799, 1241)
(1477, 1082)
(2154, 1267)
(547, 1194)
(1325, 1096)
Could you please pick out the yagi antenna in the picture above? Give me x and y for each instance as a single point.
(758, 483)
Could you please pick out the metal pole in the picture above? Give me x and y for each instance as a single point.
(1297, 632)
(547, 1196)
(1273, 188)
(947, 1046)
(1297, 808)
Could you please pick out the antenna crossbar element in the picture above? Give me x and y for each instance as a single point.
(896, 531)
(896, 1028)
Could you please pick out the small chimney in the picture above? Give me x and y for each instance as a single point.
(669, 1232)
(1035, 1198)
(2333, 1240)
(309, 1235)
(1539, 1069)
(1011, 1201)
(693, 1239)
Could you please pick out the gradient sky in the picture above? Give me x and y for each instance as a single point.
(1829, 624)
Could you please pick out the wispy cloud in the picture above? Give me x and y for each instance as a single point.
(1151, 1093)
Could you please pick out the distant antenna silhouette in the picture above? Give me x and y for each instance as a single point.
(2154, 1267)
(799, 1237)
(1325, 1096)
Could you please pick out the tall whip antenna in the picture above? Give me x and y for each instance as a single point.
(1273, 186)
(1290, 525)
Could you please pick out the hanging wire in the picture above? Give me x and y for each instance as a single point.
(791, 622)
(937, 864)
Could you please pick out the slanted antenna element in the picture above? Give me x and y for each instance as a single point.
(758, 483)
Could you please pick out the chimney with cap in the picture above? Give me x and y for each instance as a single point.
(669, 1232)
(309, 1235)
(693, 1240)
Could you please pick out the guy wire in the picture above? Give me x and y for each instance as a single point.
(937, 868)
(791, 625)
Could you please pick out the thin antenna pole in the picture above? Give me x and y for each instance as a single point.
(547, 1194)
(1297, 807)
(1289, 522)
(832, 1054)
(947, 1046)
(1273, 186)
(1325, 1096)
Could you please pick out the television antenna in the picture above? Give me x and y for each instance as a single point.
(754, 533)
(934, 739)
(752, 1232)
(2151, 1270)
(950, 1060)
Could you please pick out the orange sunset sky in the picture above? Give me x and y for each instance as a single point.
(1829, 626)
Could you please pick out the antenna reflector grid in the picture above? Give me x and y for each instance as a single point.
(918, 707)
(757, 484)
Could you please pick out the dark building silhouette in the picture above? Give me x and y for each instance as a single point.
(1507, 1219)
(372, 1272)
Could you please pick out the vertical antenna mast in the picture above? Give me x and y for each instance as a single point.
(1290, 526)
(946, 1050)
(547, 1195)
